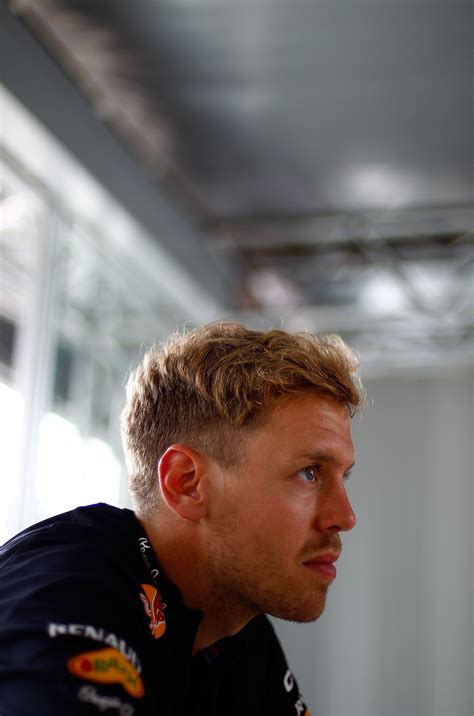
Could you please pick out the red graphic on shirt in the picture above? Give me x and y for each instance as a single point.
(154, 610)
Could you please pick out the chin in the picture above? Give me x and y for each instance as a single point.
(303, 613)
(301, 616)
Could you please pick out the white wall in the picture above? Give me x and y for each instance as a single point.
(397, 634)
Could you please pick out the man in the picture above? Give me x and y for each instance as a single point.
(238, 446)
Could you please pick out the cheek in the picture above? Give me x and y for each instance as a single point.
(281, 523)
(270, 513)
(293, 504)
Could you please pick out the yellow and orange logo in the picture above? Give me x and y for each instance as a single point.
(107, 666)
(154, 610)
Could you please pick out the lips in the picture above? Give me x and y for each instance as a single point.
(327, 558)
(323, 564)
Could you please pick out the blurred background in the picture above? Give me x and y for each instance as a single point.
(305, 164)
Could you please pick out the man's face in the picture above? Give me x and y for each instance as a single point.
(281, 510)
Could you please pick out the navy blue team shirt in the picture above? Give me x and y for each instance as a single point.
(89, 625)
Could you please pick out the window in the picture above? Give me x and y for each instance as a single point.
(83, 289)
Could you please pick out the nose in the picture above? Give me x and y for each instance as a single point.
(334, 511)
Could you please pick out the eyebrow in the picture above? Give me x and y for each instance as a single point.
(324, 457)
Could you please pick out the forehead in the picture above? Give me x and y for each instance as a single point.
(306, 423)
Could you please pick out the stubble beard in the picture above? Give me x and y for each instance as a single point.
(246, 590)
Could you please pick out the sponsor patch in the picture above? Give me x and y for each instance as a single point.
(144, 546)
(107, 666)
(154, 609)
(97, 634)
(89, 695)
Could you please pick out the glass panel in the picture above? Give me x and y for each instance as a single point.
(18, 234)
(83, 288)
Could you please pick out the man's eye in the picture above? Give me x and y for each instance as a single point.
(310, 474)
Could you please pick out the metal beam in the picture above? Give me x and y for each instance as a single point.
(336, 229)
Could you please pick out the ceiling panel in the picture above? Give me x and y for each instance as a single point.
(325, 148)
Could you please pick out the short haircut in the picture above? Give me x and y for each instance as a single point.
(207, 386)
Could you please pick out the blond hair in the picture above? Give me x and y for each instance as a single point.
(207, 386)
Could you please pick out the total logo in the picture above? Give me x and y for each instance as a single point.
(154, 609)
(107, 666)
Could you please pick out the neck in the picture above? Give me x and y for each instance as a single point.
(184, 563)
(216, 625)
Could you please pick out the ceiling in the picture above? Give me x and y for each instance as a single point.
(322, 148)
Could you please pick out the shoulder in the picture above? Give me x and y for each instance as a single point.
(70, 602)
(94, 529)
(82, 562)
(83, 520)
(70, 561)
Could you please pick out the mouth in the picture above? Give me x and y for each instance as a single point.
(323, 570)
(323, 565)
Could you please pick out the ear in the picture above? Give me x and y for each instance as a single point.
(180, 473)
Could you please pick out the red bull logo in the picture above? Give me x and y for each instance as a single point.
(154, 610)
